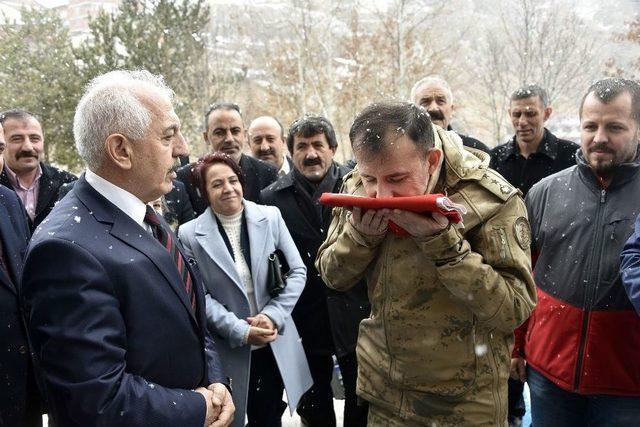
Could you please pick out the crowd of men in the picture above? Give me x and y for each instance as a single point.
(101, 325)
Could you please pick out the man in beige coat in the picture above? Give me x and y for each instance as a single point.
(445, 299)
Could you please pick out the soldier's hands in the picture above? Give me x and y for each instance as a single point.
(518, 371)
(372, 222)
(226, 406)
(419, 225)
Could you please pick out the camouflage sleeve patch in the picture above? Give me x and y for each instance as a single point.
(501, 243)
(522, 232)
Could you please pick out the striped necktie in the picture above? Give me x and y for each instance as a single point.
(166, 239)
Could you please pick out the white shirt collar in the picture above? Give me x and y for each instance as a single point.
(285, 168)
(125, 201)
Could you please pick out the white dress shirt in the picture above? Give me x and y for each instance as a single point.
(285, 168)
(125, 201)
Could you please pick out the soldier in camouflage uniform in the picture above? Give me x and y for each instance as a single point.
(445, 299)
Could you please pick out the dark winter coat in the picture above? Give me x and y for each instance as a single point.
(18, 392)
(318, 305)
(630, 267)
(178, 204)
(51, 182)
(553, 155)
(584, 334)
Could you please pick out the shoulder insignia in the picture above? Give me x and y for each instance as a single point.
(522, 233)
(497, 185)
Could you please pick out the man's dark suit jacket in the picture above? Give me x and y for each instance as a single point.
(257, 175)
(18, 392)
(179, 207)
(115, 339)
(50, 182)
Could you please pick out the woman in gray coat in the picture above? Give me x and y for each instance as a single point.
(256, 338)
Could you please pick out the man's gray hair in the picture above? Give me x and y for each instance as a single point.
(112, 103)
(430, 80)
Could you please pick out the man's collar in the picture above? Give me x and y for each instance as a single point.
(125, 201)
(285, 168)
(549, 145)
(511, 148)
(13, 178)
(622, 173)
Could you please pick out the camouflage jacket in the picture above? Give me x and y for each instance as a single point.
(443, 308)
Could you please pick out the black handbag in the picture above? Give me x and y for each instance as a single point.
(276, 275)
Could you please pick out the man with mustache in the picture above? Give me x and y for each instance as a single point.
(434, 95)
(224, 131)
(582, 341)
(327, 320)
(533, 152)
(19, 398)
(266, 141)
(36, 183)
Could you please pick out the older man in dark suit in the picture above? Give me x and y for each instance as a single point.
(224, 131)
(19, 402)
(115, 312)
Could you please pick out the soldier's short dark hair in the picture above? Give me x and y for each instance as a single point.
(371, 127)
(225, 106)
(529, 91)
(17, 114)
(606, 90)
(310, 125)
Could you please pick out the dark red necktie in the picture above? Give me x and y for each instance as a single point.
(166, 239)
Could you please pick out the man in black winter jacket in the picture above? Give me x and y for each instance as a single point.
(534, 152)
(327, 320)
